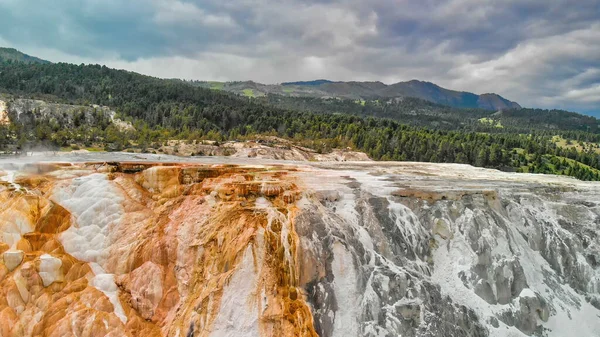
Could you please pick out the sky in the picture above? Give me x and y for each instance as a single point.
(539, 53)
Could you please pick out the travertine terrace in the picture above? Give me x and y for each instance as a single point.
(142, 247)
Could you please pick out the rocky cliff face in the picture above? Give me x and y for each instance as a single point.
(28, 112)
(346, 249)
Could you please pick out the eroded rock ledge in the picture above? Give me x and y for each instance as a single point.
(191, 249)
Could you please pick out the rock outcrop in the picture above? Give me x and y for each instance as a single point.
(124, 248)
(268, 148)
(4, 120)
(29, 112)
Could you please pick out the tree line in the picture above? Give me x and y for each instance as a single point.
(167, 109)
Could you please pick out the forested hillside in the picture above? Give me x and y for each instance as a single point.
(419, 112)
(13, 55)
(171, 109)
(366, 91)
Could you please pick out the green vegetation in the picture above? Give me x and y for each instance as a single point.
(491, 122)
(409, 129)
(580, 146)
(13, 55)
(248, 92)
(217, 85)
(418, 112)
(550, 164)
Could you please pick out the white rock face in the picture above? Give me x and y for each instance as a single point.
(50, 269)
(461, 252)
(106, 284)
(96, 205)
(238, 315)
(344, 285)
(12, 259)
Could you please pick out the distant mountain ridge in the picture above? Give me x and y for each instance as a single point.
(369, 90)
(326, 89)
(11, 54)
(315, 82)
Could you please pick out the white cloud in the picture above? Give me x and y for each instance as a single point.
(538, 53)
(178, 12)
(591, 94)
(538, 72)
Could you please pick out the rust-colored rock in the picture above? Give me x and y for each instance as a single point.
(142, 249)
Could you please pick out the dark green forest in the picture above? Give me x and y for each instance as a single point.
(407, 129)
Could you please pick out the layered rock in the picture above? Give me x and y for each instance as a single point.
(191, 249)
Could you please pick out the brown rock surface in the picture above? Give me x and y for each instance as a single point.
(130, 249)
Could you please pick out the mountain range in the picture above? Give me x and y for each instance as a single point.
(369, 91)
(350, 90)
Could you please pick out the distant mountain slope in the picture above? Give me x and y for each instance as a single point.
(459, 99)
(315, 82)
(369, 90)
(495, 102)
(10, 54)
(419, 112)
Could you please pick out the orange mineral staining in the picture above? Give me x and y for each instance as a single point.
(183, 239)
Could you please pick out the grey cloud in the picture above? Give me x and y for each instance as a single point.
(132, 29)
(540, 53)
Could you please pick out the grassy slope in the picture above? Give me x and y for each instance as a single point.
(573, 144)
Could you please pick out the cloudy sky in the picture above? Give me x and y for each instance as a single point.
(540, 53)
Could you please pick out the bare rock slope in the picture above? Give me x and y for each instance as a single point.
(275, 149)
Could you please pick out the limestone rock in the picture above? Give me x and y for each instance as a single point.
(49, 269)
(12, 259)
(142, 248)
